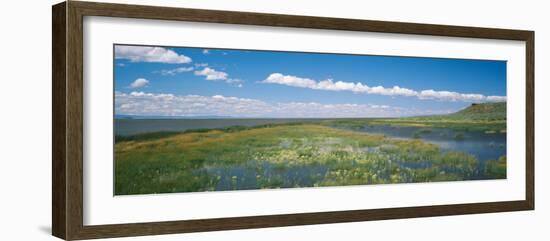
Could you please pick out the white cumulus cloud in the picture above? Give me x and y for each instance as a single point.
(214, 75)
(211, 74)
(150, 54)
(494, 98)
(138, 83)
(331, 85)
(155, 104)
(176, 70)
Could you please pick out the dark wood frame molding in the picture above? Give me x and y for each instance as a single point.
(67, 123)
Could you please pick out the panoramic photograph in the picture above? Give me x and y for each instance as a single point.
(190, 119)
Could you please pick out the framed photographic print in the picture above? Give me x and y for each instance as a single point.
(171, 120)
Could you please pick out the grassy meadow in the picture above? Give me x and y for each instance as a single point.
(313, 154)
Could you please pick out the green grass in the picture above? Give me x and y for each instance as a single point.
(146, 136)
(496, 168)
(180, 162)
(165, 162)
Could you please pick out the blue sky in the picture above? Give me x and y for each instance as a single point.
(247, 83)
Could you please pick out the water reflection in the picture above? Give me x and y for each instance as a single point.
(484, 146)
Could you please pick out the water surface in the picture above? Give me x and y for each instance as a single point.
(484, 146)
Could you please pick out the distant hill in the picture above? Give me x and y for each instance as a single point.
(483, 111)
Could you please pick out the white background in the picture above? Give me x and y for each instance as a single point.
(26, 120)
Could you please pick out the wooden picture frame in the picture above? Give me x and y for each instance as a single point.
(67, 152)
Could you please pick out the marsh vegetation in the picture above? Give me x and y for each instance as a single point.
(311, 154)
